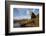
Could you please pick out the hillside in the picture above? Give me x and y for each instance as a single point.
(33, 22)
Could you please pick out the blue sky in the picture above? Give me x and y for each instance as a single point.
(23, 11)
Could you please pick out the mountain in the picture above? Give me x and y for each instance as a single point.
(21, 17)
(33, 15)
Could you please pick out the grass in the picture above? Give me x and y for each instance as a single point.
(34, 22)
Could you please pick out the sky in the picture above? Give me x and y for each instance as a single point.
(21, 13)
